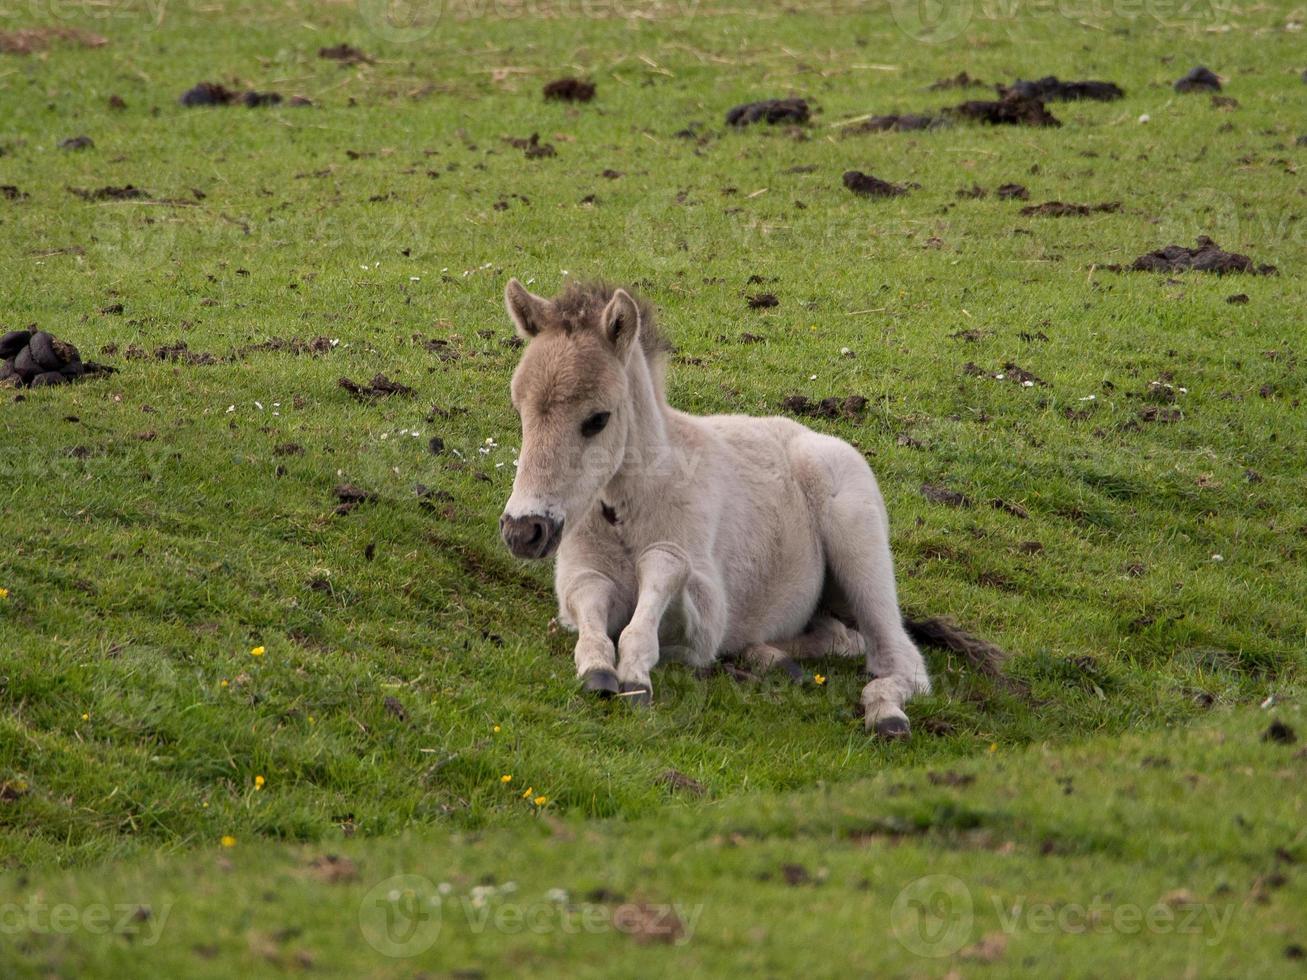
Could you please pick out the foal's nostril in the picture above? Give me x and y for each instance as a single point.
(532, 536)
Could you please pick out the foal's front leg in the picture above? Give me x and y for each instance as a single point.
(662, 571)
(590, 600)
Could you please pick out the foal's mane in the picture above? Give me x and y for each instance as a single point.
(581, 303)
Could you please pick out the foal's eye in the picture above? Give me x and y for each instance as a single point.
(594, 424)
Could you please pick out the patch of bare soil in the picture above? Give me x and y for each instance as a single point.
(346, 54)
(379, 387)
(1060, 209)
(1207, 257)
(27, 40)
(1051, 89)
(531, 146)
(937, 493)
(865, 185)
(128, 192)
(217, 94)
(848, 407)
(1199, 79)
(770, 111)
(1280, 733)
(680, 782)
(177, 352)
(350, 496)
(1014, 372)
(333, 869)
(960, 80)
(1159, 414)
(569, 90)
(896, 123)
(1012, 110)
(287, 345)
(1005, 192)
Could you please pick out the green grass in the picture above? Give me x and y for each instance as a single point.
(1082, 861)
(154, 537)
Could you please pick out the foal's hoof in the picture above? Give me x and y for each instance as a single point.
(893, 729)
(638, 695)
(600, 682)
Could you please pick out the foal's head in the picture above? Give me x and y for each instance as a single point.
(572, 392)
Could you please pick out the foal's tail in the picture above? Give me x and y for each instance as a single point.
(941, 631)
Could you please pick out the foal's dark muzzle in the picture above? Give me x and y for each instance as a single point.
(531, 536)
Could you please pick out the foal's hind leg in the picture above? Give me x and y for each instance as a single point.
(854, 530)
(764, 657)
(825, 636)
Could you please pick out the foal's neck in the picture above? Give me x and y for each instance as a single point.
(651, 446)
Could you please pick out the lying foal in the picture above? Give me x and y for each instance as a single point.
(695, 536)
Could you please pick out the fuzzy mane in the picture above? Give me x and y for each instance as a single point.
(579, 306)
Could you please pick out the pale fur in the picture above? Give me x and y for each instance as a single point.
(694, 536)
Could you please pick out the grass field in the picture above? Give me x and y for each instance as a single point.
(1146, 568)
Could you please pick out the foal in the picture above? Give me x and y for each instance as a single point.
(694, 536)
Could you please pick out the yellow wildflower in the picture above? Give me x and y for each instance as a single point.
(993, 746)
(526, 793)
(495, 729)
(4, 593)
(258, 782)
(223, 682)
(540, 800)
(506, 778)
(258, 652)
(819, 679)
(86, 716)
(228, 840)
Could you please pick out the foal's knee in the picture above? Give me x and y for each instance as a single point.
(664, 563)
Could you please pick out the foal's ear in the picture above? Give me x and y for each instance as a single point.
(525, 308)
(621, 323)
